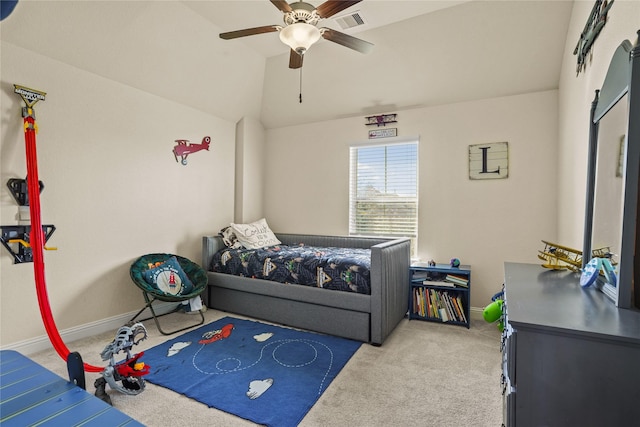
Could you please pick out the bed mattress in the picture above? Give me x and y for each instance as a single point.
(342, 269)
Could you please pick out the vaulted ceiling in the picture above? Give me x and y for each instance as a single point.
(426, 53)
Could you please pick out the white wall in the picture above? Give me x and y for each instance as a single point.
(168, 48)
(576, 94)
(112, 189)
(249, 172)
(484, 223)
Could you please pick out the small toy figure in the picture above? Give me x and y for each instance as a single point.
(129, 370)
(455, 262)
(432, 263)
(493, 312)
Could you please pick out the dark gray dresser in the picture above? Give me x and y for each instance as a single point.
(570, 357)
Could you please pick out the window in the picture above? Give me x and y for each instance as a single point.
(383, 196)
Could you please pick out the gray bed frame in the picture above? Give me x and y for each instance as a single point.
(367, 318)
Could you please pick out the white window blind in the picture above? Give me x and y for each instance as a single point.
(383, 196)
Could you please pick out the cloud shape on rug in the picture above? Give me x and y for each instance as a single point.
(176, 347)
(258, 387)
(263, 337)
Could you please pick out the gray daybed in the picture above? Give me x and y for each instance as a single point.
(367, 318)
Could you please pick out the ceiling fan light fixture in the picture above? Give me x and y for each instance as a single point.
(300, 36)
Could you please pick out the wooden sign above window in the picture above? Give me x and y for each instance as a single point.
(383, 133)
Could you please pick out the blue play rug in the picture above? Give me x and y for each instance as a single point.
(263, 373)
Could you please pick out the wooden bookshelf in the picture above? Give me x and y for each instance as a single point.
(440, 293)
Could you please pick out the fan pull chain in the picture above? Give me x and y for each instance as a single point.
(300, 85)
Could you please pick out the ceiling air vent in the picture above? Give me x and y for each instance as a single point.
(351, 20)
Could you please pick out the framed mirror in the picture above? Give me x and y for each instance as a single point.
(611, 215)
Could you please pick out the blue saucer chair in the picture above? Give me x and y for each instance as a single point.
(197, 281)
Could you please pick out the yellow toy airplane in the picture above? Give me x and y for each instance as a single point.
(554, 254)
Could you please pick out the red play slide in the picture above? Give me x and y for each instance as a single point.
(36, 238)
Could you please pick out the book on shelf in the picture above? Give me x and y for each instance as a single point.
(459, 301)
(425, 304)
(456, 307)
(458, 280)
(445, 313)
(420, 275)
(447, 304)
(450, 309)
(434, 304)
(444, 305)
(438, 283)
(421, 304)
(418, 302)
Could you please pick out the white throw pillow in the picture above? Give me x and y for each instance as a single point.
(255, 235)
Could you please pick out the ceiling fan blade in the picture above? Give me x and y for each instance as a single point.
(250, 32)
(331, 7)
(282, 5)
(346, 40)
(295, 60)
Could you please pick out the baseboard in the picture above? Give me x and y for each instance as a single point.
(70, 335)
(476, 313)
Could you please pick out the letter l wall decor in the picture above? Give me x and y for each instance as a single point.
(489, 161)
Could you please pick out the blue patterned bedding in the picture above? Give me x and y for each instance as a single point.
(343, 269)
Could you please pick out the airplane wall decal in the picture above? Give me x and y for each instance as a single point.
(183, 149)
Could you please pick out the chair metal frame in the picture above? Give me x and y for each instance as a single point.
(154, 316)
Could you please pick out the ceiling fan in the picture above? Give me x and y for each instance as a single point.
(301, 29)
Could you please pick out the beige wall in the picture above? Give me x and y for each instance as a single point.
(112, 189)
(483, 223)
(576, 94)
(249, 185)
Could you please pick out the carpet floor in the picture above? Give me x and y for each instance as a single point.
(425, 374)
